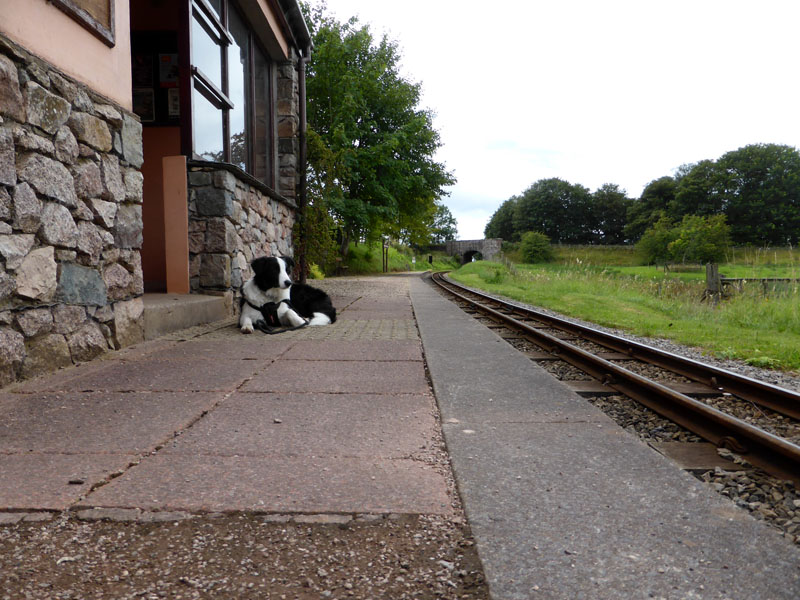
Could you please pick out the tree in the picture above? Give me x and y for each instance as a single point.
(501, 225)
(760, 184)
(698, 191)
(445, 226)
(372, 157)
(700, 239)
(653, 247)
(609, 210)
(535, 247)
(556, 208)
(650, 207)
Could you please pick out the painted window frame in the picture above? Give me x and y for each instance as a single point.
(218, 29)
(76, 10)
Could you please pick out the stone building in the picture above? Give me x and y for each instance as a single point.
(146, 147)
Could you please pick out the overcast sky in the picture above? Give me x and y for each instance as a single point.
(593, 92)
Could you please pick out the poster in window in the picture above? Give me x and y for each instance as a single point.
(173, 102)
(142, 67)
(144, 104)
(168, 70)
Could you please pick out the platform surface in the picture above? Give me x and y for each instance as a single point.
(342, 420)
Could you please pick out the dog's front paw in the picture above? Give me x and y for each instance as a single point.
(248, 328)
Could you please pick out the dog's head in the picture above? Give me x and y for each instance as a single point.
(272, 272)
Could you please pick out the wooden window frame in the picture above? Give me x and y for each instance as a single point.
(218, 29)
(106, 32)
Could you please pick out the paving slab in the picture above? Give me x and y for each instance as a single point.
(381, 350)
(238, 347)
(109, 422)
(375, 314)
(356, 377)
(160, 374)
(276, 484)
(333, 425)
(37, 481)
(574, 507)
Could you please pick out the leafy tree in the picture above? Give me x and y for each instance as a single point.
(535, 247)
(650, 207)
(653, 247)
(372, 157)
(445, 226)
(698, 191)
(556, 208)
(501, 225)
(700, 239)
(760, 184)
(609, 209)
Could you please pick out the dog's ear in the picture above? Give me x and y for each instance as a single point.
(289, 262)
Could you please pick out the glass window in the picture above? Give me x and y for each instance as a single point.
(238, 84)
(207, 128)
(262, 117)
(238, 102)
(206, 52)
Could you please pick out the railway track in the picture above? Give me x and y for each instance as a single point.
(685, 397)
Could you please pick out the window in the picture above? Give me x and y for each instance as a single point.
(232, 90)
(95, 15)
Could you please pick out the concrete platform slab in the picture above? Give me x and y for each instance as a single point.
(333, 425)
(354, 377)
(379, 350)
(161, 375)
(376, 314)
(107, 422)
(276, 484)
(35, 481)
(237, 347)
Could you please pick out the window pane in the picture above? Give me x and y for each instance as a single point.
(207, 128)
(217, 6)
(263, 125)
(206, 53)
(238, 82)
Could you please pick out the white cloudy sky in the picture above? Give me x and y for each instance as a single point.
(591, 91)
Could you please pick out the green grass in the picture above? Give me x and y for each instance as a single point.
(365, 259)
(763, 330)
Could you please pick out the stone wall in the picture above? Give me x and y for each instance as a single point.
(232, 220)
(489, 248)
(70, 219)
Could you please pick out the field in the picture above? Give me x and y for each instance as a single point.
(760, 328)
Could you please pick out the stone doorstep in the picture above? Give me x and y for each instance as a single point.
(165, 313)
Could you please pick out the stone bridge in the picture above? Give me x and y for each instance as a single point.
(466, 249)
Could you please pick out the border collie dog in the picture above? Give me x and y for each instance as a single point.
(270, 295)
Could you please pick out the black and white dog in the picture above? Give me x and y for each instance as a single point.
(270, 295)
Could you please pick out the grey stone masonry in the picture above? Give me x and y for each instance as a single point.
(70, 219)
(288, 125)
(232, 220)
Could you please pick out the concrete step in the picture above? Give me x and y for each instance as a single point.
(165, 313)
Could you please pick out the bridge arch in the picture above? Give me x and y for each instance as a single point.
(489, 249)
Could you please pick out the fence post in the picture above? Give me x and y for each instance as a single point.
(713, 282)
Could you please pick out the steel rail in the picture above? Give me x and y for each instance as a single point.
(762, 448)
(781, 400)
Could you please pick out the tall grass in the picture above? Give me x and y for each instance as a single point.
(761, 329)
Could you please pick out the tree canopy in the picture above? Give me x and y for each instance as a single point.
(371, 147)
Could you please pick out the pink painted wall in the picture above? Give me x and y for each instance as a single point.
(51, 34)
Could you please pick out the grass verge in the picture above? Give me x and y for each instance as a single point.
(763, 330)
